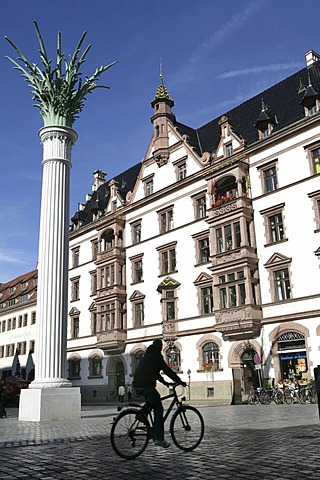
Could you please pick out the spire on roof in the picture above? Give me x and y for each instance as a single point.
(162, 93)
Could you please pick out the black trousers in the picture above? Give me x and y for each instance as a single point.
(152, 396)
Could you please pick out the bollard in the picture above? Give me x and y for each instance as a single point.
(316, 372)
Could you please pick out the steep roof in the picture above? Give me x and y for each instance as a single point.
(125, 180)
(283, 99)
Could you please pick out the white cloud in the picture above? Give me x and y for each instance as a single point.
(278, 67)
(11, 257)
(188, 72)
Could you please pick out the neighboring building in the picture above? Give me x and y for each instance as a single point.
(212, 243)
(18, 300)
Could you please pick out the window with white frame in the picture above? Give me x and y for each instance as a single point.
(206, 293)
(268, 176)
(137, 300)
(232, 290)
(136, 232)
(137, 268)
(75, 257)
(167, 258)
(169, 302)
(75, 324)
(282, 284)
(315, 197)
(228, 237)
(166, 219)
(228, 149)
(200, 206)
(279, 277)
(107, 276)
(202, 247)
(94, 248)
(148, 184)
(274, 225)
(75, 289)
(107, 317)
(94, 282)
(211, 355)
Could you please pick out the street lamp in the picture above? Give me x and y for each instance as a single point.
(189, 375)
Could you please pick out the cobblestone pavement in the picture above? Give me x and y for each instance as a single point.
(240, 442)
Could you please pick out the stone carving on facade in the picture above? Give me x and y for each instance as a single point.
(161, 159)
(205, 159)
(224, 209)
(168, 328)
(228, 257)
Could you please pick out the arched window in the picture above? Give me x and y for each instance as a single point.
(211, 355)
(74, 367)
(107, 240)
(95, 366)
(174, 358)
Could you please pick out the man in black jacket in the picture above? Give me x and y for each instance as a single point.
(144, 383)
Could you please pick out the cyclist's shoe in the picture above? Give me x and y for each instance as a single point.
(162, 443)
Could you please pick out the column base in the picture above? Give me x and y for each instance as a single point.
(38, 405)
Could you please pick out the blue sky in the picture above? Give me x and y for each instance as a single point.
(215, 55)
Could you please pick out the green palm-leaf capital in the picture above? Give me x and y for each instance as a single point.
(58, 92)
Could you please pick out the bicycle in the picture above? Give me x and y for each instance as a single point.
(309, 393)
(132, 428)
(257, 395)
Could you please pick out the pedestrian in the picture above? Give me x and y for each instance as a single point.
(145, 379)
(3, 412)
(129, 393)
(121, 393)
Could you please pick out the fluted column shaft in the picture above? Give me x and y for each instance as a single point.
(52, 291)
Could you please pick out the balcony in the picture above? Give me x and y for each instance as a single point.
(110, 253)
(225, 204)
(112, 342)
(239, 323)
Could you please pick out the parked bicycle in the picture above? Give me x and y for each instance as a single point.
(132, 428)
(309, 393)
(293, 395)
(258, 395)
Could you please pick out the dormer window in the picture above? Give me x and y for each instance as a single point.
(229, 149)
(265, 122)
(311, 110)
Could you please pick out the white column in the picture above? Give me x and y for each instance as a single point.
(49, 395)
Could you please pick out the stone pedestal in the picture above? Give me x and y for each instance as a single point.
(37, 405)
(51, 395)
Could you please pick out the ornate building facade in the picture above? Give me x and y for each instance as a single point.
(211, 243)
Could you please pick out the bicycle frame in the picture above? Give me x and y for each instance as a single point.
(147, 409)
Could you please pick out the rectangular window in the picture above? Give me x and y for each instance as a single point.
(276, 230)
(93, 323)
(168, 261)
(166, 220)
(138, 314)
(229, 150)
(75, 290)
(136, 233)
(316, 160)
(75, 257)
(182, 171)
(149, 188)
(170, 305)
(201, 207)
(206, 300)
(110, 316)
(31, 346)
(137, 271)
(75, 327)
(282, 284)
(228, 237)
(232, 292)
(25, 319)
(94, 284)
(94, 249)
(204, 250)
(270, 179)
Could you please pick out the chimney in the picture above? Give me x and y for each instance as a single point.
(311, 57)
(99, 177)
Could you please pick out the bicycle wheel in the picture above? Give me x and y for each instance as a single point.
(130, 434)
(288, 398)
(253, 398)
(313, 396)
(264, 398)
(278, 398)
(187, 428)
(302, 396)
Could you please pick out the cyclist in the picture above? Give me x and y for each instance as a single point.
(144, 383)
